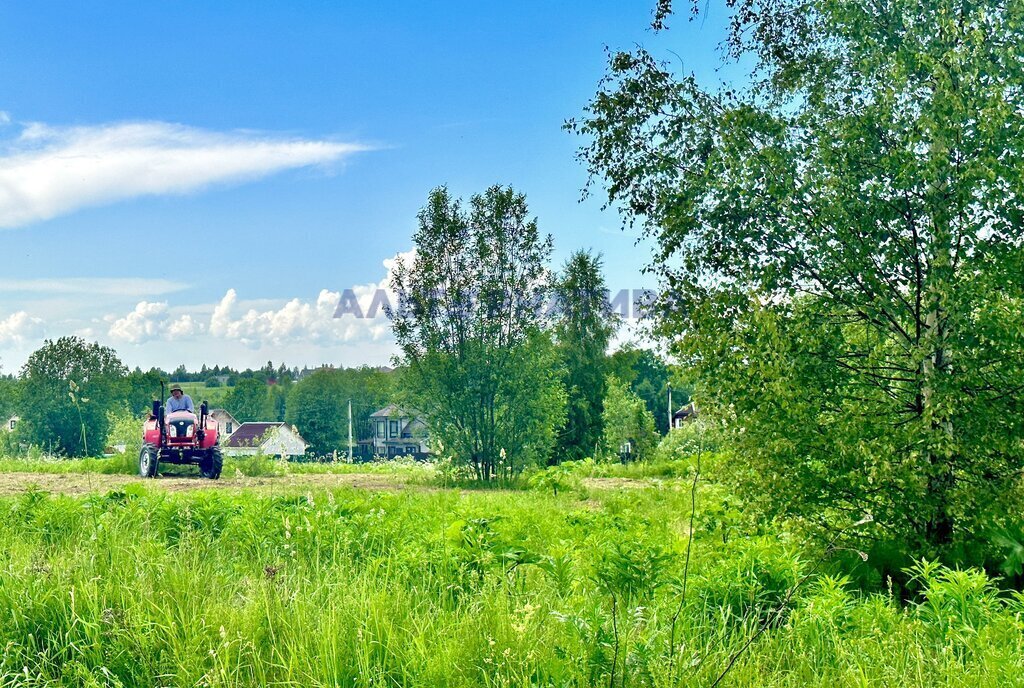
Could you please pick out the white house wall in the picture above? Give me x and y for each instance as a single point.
(280, 442)
(283, 442)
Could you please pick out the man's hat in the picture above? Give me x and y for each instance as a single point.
(177, 388)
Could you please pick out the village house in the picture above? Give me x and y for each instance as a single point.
(272, 439)
(226, 423)
(397, 432)
(686, 413)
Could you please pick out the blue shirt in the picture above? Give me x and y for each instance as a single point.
(183, 404)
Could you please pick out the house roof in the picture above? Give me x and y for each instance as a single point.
(223, 412)
(394, 410)
(685, 412)
(250, 434)
(389, 410)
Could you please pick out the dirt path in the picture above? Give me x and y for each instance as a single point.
(83, 483)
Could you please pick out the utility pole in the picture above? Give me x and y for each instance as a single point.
(350, 457)
(670, 405)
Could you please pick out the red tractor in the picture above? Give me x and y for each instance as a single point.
(181, 438)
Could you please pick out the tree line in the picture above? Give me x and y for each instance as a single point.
(502, 384)
(70, 393)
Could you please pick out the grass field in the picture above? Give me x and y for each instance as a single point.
(364, 577)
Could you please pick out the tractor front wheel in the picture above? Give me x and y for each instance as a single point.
(211, 466)
(149, 459)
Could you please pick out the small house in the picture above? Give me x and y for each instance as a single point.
(225, 421)
(686, 413)
(272, 439)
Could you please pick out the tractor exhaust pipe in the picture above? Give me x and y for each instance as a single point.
(158, 411)
(204, 410)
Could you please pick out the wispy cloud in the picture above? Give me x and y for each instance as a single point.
(50, 171)
(96, 286)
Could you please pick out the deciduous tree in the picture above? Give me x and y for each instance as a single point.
(584, 328)
(68, 387)
(839, 246)
(247, 400)
(627, 422)
(470, 326)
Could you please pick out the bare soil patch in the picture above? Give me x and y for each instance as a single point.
(84, 483)
(617, 483)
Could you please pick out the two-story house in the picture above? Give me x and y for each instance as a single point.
(397, 432)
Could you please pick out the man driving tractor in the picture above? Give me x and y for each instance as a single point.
(173, 434)
(179, 401)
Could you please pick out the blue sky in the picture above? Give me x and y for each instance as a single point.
(196, 182)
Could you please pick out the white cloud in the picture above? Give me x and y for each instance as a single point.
(150, 321)
(311, 322)
(184, 326)
(96, 286)
(256, 324)
(18, 327)
(50, 171)
(298, 321)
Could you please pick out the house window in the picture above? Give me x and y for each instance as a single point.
(381, 429)
(410, 450)
(394, 428)
(12, 424)
(228, 428)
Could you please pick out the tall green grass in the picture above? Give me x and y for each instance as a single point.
(442, 588)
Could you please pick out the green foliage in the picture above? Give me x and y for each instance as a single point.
(455, 589)
(685, 442)
(840, 254)
(527, 408)
(247, 400)
(481, 369)
(318, 405)
(10, 393)
(627, 420)
(558, 478)
(274, 404)
(140, 389)
(648, 377)
(256, 465)
(67, 389)
(125, 428)
(584, 329)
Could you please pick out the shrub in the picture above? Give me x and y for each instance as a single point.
(258, 465)
(685, 442)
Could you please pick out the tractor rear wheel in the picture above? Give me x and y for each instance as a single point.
(149, 459)
(211, 466)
